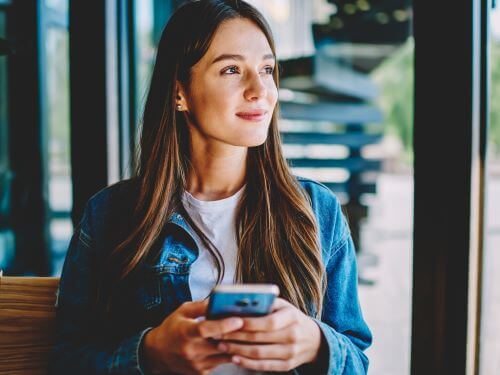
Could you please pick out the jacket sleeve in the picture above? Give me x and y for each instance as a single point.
(79, 346)
(345, 335)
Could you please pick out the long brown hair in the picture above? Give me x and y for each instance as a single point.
(276, 229)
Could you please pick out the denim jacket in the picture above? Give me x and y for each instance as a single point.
(86, 344)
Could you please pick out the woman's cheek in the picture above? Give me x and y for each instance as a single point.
(272, 91)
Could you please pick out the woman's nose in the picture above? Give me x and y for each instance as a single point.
(256, 88)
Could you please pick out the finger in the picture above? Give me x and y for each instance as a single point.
(202, 348)
(280, 303)
(217, 328)
(269, 351)
(193, 309)
(265, 365)
(272, 322)
(213, 361)
(288, 334)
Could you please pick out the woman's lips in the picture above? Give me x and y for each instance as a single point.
(255, 116)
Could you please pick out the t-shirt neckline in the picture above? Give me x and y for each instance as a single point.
(224, 203)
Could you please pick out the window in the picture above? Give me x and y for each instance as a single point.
(56, 124)
(490, 330)
(347, 120)
(6, 235)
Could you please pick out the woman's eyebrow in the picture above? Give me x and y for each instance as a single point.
(227, 56)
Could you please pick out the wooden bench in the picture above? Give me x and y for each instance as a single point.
(27, 323)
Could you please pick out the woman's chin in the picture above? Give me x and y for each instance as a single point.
(252, 141)
(253, 138)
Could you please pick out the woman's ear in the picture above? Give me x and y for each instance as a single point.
(180, 98)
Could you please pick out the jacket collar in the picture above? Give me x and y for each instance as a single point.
(177, 219)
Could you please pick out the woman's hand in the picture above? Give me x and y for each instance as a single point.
(280, 341)
(181, 343)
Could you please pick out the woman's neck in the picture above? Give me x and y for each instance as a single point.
(218, 171)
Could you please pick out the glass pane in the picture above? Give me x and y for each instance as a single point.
(347, 107)
(58, 5)
(6, 234)
(3, 101)
(145, 50)
(56, 54)
(355, 64)
(490, 325)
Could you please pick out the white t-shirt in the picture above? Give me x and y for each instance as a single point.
(217, 221)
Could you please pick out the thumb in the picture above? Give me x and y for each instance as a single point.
(194, 309)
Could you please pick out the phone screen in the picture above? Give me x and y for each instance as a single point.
(223, 304)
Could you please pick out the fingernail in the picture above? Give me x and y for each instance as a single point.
(222, 347)
(236, 360)
(235, 322)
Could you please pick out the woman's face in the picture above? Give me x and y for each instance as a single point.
(232, 94)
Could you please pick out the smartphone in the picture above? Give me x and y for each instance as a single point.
(241, 300)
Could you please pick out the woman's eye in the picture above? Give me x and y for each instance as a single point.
(230, 70)
(234, 70)
(269, 69)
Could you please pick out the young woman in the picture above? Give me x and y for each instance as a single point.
(213, 201)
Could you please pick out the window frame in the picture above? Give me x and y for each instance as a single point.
(449, 186)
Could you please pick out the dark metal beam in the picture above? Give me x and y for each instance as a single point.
(89, 106)
(27, 151)
(345, 139)
(353, 164)
(127, 85)
(446, 154)
(333, 112)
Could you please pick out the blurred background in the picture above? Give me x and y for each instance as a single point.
(72, 93)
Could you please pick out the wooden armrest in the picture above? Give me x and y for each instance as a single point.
(27, 319)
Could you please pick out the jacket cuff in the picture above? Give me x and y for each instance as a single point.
(333, 357)
(127, 359)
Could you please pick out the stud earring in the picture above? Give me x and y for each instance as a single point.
(179, 107)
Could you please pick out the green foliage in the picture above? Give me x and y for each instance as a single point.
(494, 130)
(395, 79)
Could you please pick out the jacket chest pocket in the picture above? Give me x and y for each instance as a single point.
(174, 284)
(157, 286)
(148, 292)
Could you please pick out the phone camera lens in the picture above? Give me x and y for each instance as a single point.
(242, 303)
(255, 303)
